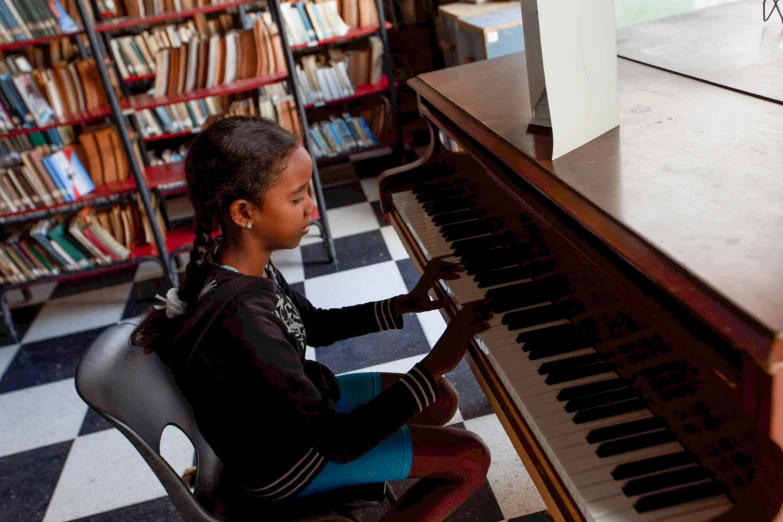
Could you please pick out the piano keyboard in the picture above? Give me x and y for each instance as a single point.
(619, 461)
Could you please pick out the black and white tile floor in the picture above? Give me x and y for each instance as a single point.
(61, 462)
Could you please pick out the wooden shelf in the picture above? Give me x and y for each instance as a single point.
(74, 119)
(361, 91)
(171, 135)
(142, 77)
(342, 155)
(353, 34)
(34, 41)
(126, 23)
(166, 177)
(146, 101)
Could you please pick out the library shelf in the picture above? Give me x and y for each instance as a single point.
(127, 23)
(353, 34)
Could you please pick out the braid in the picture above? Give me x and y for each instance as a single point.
(234, 158)
(201, 260)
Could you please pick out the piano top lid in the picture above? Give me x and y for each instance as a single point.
(695, 170)
(728, 45)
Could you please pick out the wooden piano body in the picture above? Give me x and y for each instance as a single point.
(677, 213)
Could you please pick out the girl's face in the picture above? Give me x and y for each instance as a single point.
(284, 218)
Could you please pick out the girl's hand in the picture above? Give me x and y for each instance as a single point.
(471, 320)
(418, 300)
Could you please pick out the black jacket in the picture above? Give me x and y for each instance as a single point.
(268, 413)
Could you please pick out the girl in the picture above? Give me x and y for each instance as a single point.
(234, 335)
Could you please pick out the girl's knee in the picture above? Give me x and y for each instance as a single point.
(449, 396)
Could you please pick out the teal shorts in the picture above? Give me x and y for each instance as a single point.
(389, 460)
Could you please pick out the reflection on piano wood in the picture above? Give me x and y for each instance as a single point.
(623, 404)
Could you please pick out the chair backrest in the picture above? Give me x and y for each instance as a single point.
(137, 394)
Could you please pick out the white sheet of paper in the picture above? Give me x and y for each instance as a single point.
(580, 67)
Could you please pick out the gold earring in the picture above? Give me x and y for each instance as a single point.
(249, 225)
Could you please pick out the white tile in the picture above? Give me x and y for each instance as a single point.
(310, 353)
(104, 472)
(370, 188)
(457, 418)
(289, 262)
(394, 244)
(433, 325)
(7, 354)
(352, 219)
(398, 366)
(40, 293)
(513, 488)
(39, 416)
(148, 270)
(79, 312)
(360, 285)
(312, 237)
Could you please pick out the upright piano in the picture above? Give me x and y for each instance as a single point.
(634, 358)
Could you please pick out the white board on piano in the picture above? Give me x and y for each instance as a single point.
(578, 51)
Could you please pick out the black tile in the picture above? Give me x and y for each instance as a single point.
(158, 510)
(353, 251)
(142, 296)
(343, 195)
(372, 349)
(85, 284)
(409, 273)
(481, 506)
(93, 422)
(27, 481)
(47, 360)
(299, 287)
(22, 318)
(541, 516)
(376, 207)
(472, 401)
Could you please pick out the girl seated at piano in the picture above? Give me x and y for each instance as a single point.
(234, 334)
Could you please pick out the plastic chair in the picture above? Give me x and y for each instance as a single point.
(136, 392)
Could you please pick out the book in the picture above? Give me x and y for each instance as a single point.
(69, 174)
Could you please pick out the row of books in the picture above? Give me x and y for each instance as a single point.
(196, 60)
(358, 13)
(339, 135)
(43, 180)
(141, 8)
(168, 156)
(280, 109)
(27, 19)
(180, 117)
(106, 160)
(321, 81)
(312, 21)
(91, 238)
(12, 147)
(34, 97)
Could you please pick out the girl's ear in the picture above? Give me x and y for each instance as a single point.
(242, 212)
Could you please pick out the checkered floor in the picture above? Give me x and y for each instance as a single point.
(60, 462)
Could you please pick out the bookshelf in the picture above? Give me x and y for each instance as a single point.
(147, 183)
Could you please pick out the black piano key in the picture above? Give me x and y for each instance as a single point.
(678, 496)
(573, 374)
(670, 479)
(636, 442)
(485, 279)
(439, 194)
(515, 296)
(585, 390)
(467, 229)
(552, 336)
(604, 412)
(447, 205)
(601, 399)
(454, 217)
(570, 363)
(479, 243)
(625, 429)
(532, 317)
(551, 351)
(653, 464)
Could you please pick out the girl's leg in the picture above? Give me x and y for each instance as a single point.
(439, 412)
(452, 464)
